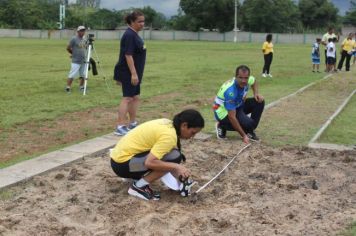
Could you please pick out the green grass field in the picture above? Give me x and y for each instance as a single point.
(34, 72)
(177, 73)
(342, 130)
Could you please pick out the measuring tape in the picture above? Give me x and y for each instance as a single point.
(204, 186)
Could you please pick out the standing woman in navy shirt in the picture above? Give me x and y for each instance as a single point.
(129, 71)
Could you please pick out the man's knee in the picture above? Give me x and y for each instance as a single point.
(261, 104)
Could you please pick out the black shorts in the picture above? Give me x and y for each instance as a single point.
(129, 90)
(330, 60)
(135, 167)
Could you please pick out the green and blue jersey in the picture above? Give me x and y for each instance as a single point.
(230, 97)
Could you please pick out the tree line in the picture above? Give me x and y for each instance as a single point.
(276, 16)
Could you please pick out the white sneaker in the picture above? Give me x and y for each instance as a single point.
(264, 75)
(269, 75)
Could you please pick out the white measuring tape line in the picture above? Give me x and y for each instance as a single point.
(204, 186)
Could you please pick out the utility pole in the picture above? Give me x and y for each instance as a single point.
(235, 27)
(62, 16)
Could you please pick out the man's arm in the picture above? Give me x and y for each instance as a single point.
(69, 49)
(236, 125)
(259, 98)
(323, 40)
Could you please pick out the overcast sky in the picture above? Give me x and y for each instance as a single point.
(167, 7)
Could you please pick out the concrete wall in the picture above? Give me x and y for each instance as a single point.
(163, 35)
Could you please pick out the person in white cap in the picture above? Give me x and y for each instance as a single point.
(77, 48)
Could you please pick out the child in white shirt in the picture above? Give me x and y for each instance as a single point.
(330, 55)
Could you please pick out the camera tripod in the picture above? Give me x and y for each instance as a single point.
(87, 61)
(90, 50)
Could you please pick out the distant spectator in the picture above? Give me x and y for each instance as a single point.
(331, 54)
(77, 49)
(346, 51)
(316, 55)
(325, 40)
(267, 50)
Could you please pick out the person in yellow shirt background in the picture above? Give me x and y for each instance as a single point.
(152, 150)
(346, 51)
(267, 50)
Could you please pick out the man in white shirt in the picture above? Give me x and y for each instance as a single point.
(325, 40)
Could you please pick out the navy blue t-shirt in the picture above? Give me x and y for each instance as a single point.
(131, 44)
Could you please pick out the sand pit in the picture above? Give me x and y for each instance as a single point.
(266, 191)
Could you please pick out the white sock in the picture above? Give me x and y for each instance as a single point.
(141, 182)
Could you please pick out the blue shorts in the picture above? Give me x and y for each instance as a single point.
(316, 60)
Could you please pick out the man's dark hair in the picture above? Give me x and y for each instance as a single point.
(330, 40)
(242, 68)
(269, 37)
(131, 17)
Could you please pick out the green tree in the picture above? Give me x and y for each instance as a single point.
(270, 15)
(210, 14)
(28, 14)
(350, 17)
(104, 19)
(318, 13)
(153, 19)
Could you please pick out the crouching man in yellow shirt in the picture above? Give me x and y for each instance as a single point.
(152, 150)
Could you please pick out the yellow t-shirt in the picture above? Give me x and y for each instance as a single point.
(348, 45)
(267, 47)
(157, 136)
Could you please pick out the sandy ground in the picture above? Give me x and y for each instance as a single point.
(266, 191)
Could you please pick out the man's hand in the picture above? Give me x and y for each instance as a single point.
(182, 171)
(259, 98)
(134, 79)
(245, 139)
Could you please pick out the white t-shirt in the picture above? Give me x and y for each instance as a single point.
(330, 50)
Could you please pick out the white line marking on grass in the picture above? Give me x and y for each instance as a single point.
(327, 123)
(331, 146)
(274, 103)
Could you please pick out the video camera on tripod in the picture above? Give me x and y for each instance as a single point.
(89, 61)
(90, 47)
(90, 39)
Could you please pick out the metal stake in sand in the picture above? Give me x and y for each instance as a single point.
(204, 186)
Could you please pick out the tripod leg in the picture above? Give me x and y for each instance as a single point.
(87, 61)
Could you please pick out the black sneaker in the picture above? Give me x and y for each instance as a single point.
(144, 192)
(67, 90)
(253, 137)
(156, 195)
(185, 188)
(220, 132)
